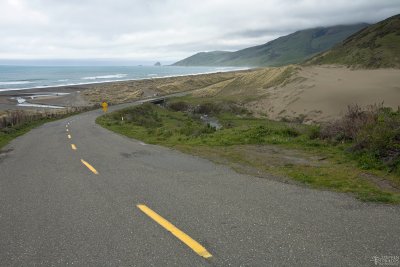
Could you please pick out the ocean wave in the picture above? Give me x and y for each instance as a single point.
(110, 78)
(15, 82)
(113, 76)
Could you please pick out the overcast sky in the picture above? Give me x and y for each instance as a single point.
(164, 30)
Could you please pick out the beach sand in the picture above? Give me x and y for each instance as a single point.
(313, 93)
(69, 96)
(112, 92)
(323, 93)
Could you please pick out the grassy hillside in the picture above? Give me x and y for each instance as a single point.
(261, 147)
(292, 48)
(374, 47)
(209, 58)
(248, 86)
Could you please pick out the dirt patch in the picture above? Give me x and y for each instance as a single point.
(258, 160)
(382, 183)
(272, 156)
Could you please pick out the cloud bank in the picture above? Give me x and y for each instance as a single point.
(164, 30)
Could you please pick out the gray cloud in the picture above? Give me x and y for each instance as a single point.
(164, 29)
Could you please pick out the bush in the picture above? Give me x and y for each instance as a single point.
(313, 132)
(144, 115)
(381, 138)
(289, 132)
(17, 118)
(207, 108)
(352, 122)
(178, 106)
(374, 133)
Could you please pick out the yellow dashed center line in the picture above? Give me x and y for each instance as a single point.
(194, 245)
(73, 146)
(90, 167)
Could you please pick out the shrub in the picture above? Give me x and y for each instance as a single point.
(143, 115)
(178, 106)
(349, 126)
(17, 118)
(207, 108)
(374, 133)
(381, 138)
(289, 131)
(313, 132)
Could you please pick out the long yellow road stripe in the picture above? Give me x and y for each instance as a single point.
(90, 167)
(194, 245)
(73, 146)
(69, 136)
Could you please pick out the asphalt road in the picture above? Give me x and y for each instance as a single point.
(55, 211)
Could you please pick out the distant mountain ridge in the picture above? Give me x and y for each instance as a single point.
(292, 48)
(377, 46)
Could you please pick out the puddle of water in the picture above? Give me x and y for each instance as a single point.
(22, 101)
(37, 105)
(212, 121)
(46, 95)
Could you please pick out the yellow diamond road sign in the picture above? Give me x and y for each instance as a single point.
(104, 105)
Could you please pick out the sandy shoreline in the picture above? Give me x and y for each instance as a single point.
(8, 98)
(113, 92)
(312, 93)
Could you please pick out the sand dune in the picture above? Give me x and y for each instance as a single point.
(314, 94)
(323, 93)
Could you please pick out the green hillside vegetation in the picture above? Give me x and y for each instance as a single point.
(292, 48)
(377, 46)
(18, 122)
(339, 157)
(199, 59)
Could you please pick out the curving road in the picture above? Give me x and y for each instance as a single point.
(63, 206)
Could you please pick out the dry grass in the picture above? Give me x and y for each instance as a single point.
(249, 84)
(349, 126)
(237, 84)
(118, 95)
(122, 92)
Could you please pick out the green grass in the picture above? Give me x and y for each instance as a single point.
(8, 134)
(237, 141)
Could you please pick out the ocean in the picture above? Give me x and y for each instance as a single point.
(31, 77)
